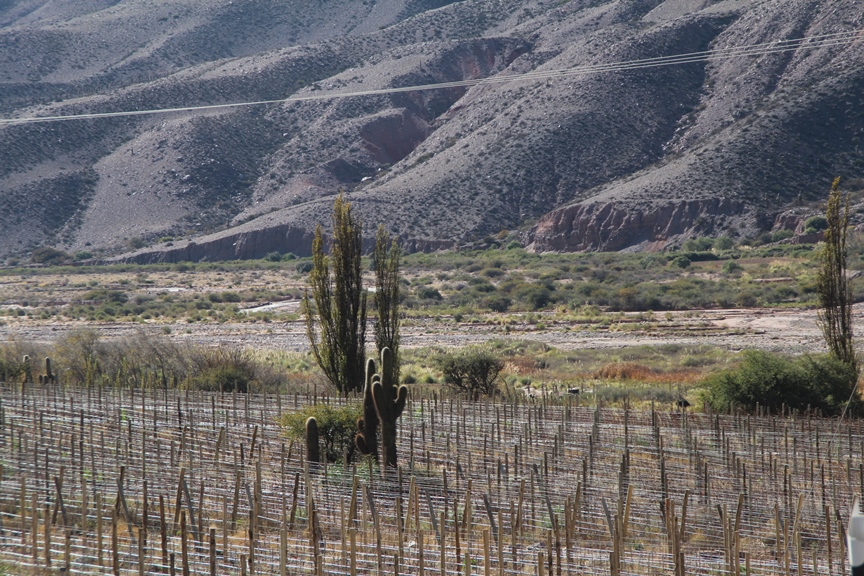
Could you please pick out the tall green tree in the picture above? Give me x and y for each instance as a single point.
(386, 325)
(835, 295)
(336, 311)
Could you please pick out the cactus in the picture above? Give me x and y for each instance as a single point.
(49, 375)
(313, 453)
(366, 439)
(27, 368)
(389, 403)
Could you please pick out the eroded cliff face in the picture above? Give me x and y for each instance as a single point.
(254, 243)
(229, 245)
(612, 226)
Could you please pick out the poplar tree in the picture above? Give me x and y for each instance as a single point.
(386, 325)
(835, 294)
(336, 312)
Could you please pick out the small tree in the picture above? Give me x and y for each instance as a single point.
(835, 296)
(472, 373)
(336, 324)
(386, 325)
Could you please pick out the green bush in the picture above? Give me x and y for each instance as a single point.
(473, 372)
(231, 297)
(698, 244)
(429, 293)
(772, 380)
(337, 426)
(49, 256)
(304, 266)
(815, 224)
(496, 303)
(224, 370)
(723, 243)
(731, 266)
(223, 378)
(779, 235)
(681, 262)
(534, 296)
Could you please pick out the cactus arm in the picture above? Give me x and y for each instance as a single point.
(401, 398)
(382, 406)
(313, 453)
(367, 427)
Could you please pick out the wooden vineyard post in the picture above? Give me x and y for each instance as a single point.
(163, 536)
(115, 559)
(99, 554)
(34, 527)
(487, 560)
(67, 550)
(212, 552)
(443, 545)
(141, 557)
(420, 560)
(352, 536)
(22, 508)
(184, 544)
(47, 535)
(283, 550)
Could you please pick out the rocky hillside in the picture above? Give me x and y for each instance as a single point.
(621, 159)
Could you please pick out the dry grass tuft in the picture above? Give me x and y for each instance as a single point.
(640, 373)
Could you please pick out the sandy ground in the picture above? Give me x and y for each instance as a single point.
(793, 331)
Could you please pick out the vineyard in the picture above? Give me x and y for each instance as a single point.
(130, 481)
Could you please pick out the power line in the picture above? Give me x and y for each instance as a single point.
(762, 49)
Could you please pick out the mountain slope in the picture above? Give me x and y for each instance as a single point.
(621, 159)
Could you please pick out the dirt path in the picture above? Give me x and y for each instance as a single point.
(793, 331)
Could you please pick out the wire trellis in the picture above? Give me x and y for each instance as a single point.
(131, 481)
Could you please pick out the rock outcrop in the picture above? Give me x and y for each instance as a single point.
(615, 226)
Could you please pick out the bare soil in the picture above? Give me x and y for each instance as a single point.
(782, 330)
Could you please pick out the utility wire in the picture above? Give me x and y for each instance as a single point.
(749, 50)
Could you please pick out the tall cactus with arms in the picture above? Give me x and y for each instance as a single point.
(389, 403)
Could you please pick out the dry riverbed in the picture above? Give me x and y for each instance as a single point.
(782, 330)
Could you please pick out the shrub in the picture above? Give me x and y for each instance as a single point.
(779, 235)
(273, 257)
(746, 299)
(474, 373)
(429, 293)
(337, 426)
(771, 380)
(698, 244)
(681, 262)
(48, 255)
(731, 266)
(101, 295)
(723, 243)
(496, 303)
(223, 378)
(224, 370)
(815, 224)
(304, 267)
(535, 296)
